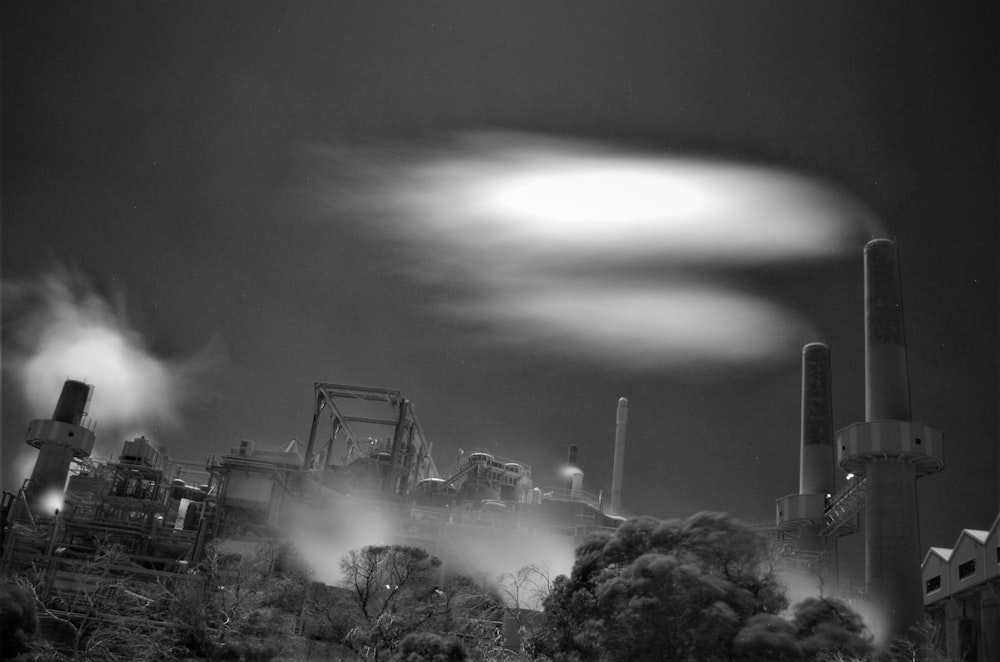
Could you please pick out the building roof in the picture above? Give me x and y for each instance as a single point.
(977, 534)
(943, 553)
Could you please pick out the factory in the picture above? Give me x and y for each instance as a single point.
(366, 454)
(374, 457)
(883, 457)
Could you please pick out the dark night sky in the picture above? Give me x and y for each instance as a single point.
(173, 153)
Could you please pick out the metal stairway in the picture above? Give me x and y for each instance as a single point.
(844, 506)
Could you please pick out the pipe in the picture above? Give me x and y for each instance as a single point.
(621, 419)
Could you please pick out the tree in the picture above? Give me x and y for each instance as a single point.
(234, 604)
(525, 592)
(825, 625)
(429, 647)
(395, 592)
(104, 612)
(819, 629)
(18, 620)
(656, 590)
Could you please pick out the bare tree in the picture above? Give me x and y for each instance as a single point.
(106, 614)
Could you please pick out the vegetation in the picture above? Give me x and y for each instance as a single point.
(696, 589)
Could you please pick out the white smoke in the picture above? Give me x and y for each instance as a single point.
(59, 327)
(611, 255)
(323, 536)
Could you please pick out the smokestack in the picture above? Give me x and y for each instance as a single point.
(73, 401)
(58, 440)
(890, 450)
(576, 484)
(887, 390)
(803, 513)
(621, 419)
(816, 439)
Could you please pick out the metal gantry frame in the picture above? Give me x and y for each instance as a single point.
(409, 453)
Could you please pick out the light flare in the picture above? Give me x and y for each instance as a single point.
(51, 502)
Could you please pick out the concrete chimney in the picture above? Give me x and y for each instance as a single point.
(621, 420)
(59, 440)
(890, 450)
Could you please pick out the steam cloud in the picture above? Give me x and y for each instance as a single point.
(322, 536)
(58, 327)
(612, 255)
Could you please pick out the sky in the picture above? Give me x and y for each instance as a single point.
(515, 213)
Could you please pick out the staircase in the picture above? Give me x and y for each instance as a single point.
(844, 506)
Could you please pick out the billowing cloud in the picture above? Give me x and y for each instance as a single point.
(642, 325)
(527, 224)
(58, 327)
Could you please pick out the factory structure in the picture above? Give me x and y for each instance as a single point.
(366, 449)
(883, 457)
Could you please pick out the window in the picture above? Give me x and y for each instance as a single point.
(933, 584)
(998, 555)
(967, 568)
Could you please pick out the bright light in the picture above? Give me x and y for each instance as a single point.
(850, 476)
(52, 502)
(600, 199)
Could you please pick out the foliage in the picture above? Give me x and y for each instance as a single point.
(394, 591)
(229, 607)
(18, 620)
(924, 645)
(825, 625)
(429, 647)
(397, 591)
(698, 589)
(819, 628)
(660, 590)
(237, 606)
(106, 615)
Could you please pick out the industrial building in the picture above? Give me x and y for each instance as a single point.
(883, 455)
(373, 457)
(961, 587)
(367, 449)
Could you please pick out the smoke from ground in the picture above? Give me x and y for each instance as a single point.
(800, 585)
(324, 535)
(59, 327)
(611, 255)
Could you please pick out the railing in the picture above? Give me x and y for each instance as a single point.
(844, 505)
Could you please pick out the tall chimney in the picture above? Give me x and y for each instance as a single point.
(887, 389)
(803, 514)
(890, 450)
(59, 440)
(816, 436)
(621, 419)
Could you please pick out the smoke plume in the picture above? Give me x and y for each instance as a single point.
(617, 256)
(59, 327)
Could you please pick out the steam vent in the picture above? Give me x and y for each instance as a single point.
(889, 449)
